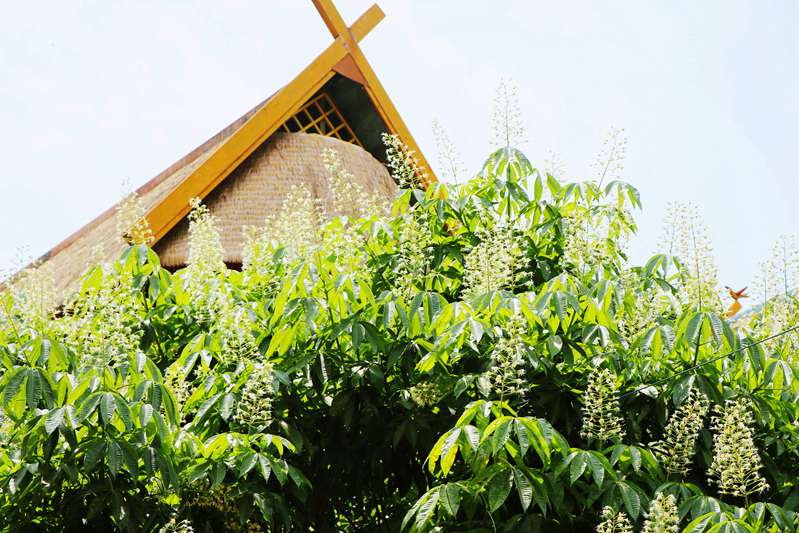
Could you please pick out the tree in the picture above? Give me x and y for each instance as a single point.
(477, 359)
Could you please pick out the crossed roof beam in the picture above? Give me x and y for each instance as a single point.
(343, 56)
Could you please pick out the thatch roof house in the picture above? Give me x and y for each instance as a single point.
(244, 172)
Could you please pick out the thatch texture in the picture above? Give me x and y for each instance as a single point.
(258, 187)
(70, 258)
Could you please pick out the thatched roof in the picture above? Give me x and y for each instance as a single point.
(242, 158)
(258, 187)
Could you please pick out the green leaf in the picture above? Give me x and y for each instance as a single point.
(693, 328)
(54, 419)
(427, 508)
(114, 458)
(501, 433)
(578, 466)
(450, 498)
(13, 383)
(523, 487)
(95, 453)
(88, 406)
(499, 489)
(560, 304)
(631, 500)
(554, 344)
(145, 414)
(716, 327)
(124, 411)
(129, 457)
(108, 406)
(226, 405)
(33, 388)
(264, 467)
(247, 463)
(449, 450)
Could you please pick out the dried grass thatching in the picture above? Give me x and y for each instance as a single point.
(258, 187)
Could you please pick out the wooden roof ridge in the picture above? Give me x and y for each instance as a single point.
(225, 151)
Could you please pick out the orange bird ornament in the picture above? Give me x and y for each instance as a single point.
(735, 307)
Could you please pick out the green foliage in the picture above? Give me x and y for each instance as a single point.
(393, 373)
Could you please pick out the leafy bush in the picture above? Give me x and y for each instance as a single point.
(477, 360)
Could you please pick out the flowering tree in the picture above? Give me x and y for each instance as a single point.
(471, 358)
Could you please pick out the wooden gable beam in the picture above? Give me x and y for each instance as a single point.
(333, 21)
(241, 144)
(367, 22)
(280, 108)
(377, 94)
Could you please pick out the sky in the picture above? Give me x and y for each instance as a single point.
(94, 92)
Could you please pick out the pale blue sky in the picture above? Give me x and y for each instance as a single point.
(95, 92)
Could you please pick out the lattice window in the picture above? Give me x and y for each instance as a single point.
(320, 116)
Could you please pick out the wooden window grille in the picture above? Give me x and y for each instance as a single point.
(321, 116)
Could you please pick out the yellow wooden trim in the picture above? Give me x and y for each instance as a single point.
(389, 113)
(241, 144)
(333, 21)
(374, 89)
(367, 22)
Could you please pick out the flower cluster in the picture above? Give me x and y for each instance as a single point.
(449, 159)
(206, 255)
(205, 263)
(105, 322)
(601, 413)
(343, 241)
(676, 450)
(508, 358)
(35, 295)
(736, 463)
(662, 516)
(220, 504)
(780, 274)
(645, 306)
(414, 258)
(178, 383)
(613, 152)
(614, 522)
(254, 409)
(779, 314)
(555, 166)
(347, 195)
(425, 394)
(297, 227)
(132, 226)
(508, 127)
(405, 168)
(490, 264)
(236, 335)
(595, 234)
(184, 526)
(779, 310)
(685, 236)
(6, 431)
